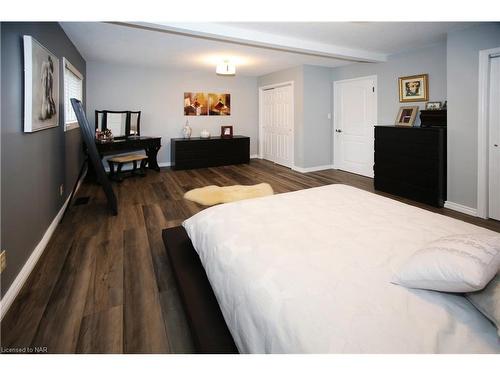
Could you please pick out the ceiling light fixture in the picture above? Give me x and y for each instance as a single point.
(225, 68)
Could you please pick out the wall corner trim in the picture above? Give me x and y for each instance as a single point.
(460, 208)
(30, 264)
(312, 169)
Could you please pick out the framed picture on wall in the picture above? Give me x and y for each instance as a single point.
(406, 115)
(219, 104)
(41, 86)
(195, 104)
(414, 88)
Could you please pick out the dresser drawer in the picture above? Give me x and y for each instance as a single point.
(411, 162)
(212, 152)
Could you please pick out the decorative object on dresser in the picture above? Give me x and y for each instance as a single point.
(226, 131)
(213, 152)
(406, 115)
(411, 162)
(414, 88)
(434, 117)
(432, 106)
(205, 134)
(186, 130)
(41, 86)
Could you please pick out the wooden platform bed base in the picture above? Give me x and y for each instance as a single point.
(208, 327)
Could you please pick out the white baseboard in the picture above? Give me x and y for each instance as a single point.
(312, 169)
(28, 267)
(255, 156)
(460, 208)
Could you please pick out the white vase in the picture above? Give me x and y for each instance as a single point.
(186, 130)
(204, 134)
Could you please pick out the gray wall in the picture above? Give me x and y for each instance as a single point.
(159, 94)
(312, 102)
(35, 164)
(462, 80)
(317, 137)
(430, 60)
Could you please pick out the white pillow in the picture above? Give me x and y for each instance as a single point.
(458, 263)
(488, 301)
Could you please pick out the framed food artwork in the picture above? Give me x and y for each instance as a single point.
(414, 88)
(406, 115)
(219, 104)
(195, 104)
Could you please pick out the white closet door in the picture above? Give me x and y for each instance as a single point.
(277, 125)
(494, 140)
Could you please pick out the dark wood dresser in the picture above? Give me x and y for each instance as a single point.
(411, 162)
(209, 152)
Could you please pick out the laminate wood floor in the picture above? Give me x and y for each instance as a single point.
(104, 283)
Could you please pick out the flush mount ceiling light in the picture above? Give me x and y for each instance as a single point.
(225, 68)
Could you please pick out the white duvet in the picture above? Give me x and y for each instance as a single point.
(310, 272)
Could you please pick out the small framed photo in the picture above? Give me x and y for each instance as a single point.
(414, 88)
(407, 115)
(226, 132)
(433, 106)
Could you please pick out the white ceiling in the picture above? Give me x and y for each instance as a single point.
(112, 43)
(384, 37)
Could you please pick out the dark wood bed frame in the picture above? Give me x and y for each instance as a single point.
(208, 327)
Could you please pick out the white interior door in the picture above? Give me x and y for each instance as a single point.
(494, 141)
(355, 114)
(277, 125)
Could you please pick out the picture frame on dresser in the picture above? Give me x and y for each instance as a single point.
(406, 115)
(226, 132)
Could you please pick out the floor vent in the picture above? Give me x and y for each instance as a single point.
(80, 201)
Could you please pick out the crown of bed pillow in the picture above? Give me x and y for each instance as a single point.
(458, 263)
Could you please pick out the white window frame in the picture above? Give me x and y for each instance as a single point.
(71, 67)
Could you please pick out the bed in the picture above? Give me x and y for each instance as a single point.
(310, 272)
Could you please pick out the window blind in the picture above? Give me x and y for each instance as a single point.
(73, 88)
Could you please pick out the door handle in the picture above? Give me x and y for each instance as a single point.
(338, 130)
(495, 145)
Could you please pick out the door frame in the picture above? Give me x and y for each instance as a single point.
(335, 112)
(261, 91)
(483, 129)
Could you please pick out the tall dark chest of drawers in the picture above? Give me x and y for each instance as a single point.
(210, 152)
(411, 162)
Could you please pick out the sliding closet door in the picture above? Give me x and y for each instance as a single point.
(277, 125)
(494, 144)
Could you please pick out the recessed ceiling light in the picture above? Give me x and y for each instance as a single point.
(225, 68)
